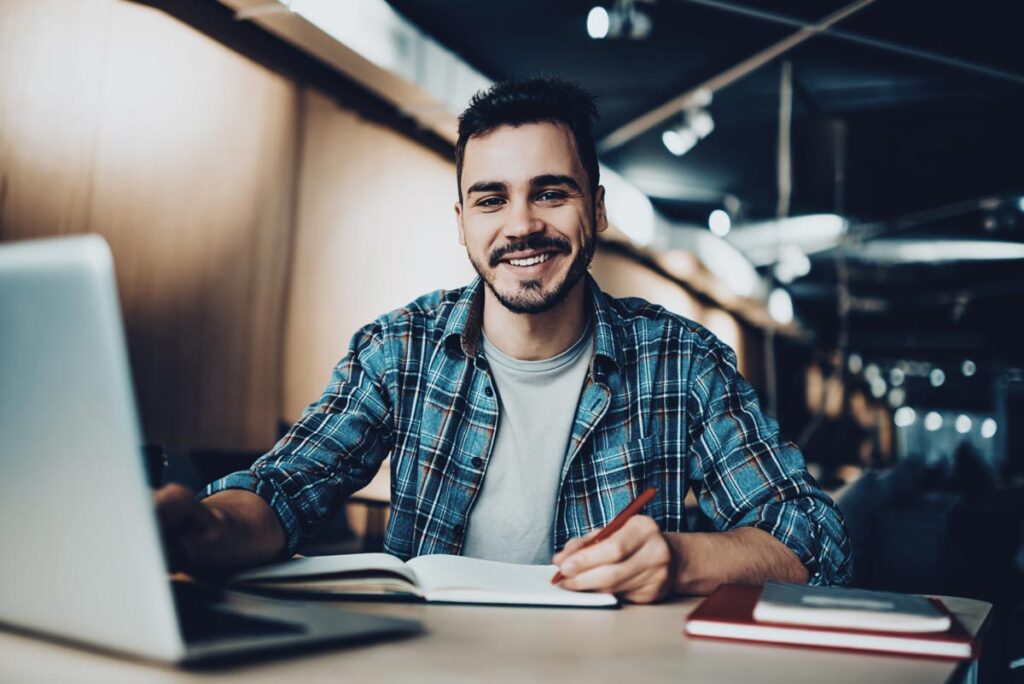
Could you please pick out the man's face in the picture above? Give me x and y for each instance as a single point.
(527, 219)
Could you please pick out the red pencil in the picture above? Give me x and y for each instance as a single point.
(628, 512)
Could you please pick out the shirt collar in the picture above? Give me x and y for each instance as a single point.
(462, 332)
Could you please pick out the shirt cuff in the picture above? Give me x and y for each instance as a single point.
(790, 525)
(270, 492)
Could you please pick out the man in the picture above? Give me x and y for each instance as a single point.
(524, 411)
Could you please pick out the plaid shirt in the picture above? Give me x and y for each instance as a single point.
(662, 405)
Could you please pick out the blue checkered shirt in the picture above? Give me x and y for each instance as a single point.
(662, 405)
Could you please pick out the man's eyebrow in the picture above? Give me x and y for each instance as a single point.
(555, 179)
(487, 186)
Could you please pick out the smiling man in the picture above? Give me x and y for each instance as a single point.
(522, 412)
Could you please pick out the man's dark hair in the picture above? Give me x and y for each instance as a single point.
(513, 103)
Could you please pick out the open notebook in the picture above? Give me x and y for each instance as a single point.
(440, 578)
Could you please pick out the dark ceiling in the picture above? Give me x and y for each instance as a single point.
(919, 134)
(930, 120)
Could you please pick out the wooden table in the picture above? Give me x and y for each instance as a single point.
(633, 645)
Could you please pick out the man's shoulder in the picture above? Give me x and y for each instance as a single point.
(426, 312)
(645, 319)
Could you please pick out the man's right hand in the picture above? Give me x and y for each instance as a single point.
(226, 532)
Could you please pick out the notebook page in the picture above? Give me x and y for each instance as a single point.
(472, 580)
(320, 566)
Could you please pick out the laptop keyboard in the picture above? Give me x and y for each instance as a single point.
(205, 618)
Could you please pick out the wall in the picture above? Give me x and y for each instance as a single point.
(255, 225)
(621, 276)
(376, 229)
(116, 119)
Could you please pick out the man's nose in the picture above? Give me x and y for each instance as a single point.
(523, 220)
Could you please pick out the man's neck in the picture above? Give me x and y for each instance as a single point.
(533, 337)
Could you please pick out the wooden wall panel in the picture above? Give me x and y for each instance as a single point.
(376, 229)
(255, 226)
(621, 276)
(52, 57)
(117, 119)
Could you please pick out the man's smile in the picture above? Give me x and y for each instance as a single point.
(531, 263)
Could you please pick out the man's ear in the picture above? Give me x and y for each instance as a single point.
(600, 214)
(458, 222)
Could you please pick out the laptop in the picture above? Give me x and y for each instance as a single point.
(81, 546)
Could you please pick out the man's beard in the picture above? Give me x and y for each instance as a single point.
(530, 299)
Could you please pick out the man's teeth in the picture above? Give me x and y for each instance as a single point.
(531, 261)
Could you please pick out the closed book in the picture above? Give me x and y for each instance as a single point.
(728, 613)
(844, 608)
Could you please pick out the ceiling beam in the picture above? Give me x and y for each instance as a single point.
(694, 95)
(860, 39)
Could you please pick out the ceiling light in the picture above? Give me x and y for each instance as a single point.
(679, 141)
(811, 234)
(896, 397)
(855, 363)
(722, 259)
(597, 23)
(963, 424)
(878, 388)
(933, 421)
(937, 377)
(792, 264)
(935, 251)
(872, 372)
(719, 222)
(700, 122)
(780, 306)
(968, 368)
(896, 377)
(703, 97)
(905, 416)
(623, 20)
(697, 124)
(988, 428)
(639, 24)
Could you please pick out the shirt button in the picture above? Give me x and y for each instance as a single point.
(482, 364)
(477, 461)
(488, 391)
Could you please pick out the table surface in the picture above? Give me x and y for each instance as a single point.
(632, 645)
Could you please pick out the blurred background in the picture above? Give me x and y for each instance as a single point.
(834, 188)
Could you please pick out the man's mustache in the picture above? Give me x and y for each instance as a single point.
(531, 243)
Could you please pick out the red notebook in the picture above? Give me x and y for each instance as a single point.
(728, 613)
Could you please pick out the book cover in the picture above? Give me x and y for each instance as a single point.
(846, 608)
(728, 613)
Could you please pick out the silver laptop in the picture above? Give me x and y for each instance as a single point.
(82, 558)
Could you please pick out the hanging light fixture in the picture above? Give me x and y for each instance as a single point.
(623, 20)
(679, 140)
(696, 125)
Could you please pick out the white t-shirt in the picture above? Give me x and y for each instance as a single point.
(512, 518)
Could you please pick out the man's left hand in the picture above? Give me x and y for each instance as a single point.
(636, 563)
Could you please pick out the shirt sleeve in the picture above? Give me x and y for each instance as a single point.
(744, 474)
(334, 449)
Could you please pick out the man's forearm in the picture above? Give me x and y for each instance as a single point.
(252, 534)
(746, 555)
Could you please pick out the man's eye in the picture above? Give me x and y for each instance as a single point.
(551, 196)
(490, 202)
